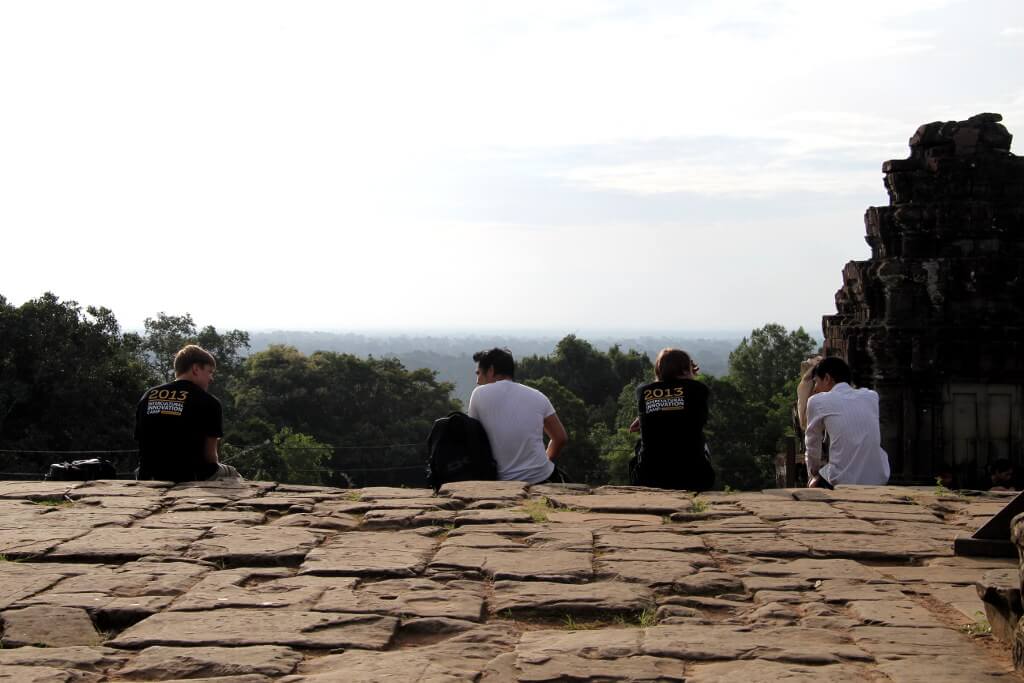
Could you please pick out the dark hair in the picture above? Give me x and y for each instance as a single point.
(673, 363)
(192, 355)
(499, 359)
(833, 366)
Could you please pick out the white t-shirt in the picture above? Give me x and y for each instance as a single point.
(850, 416)
(513, 416)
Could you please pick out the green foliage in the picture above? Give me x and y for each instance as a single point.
(166, 334)
(69, 378)
(538, 509)
(979, 627)
(616, 449)
(53, 502)
(580, 459)
(762, 365)
(732, 433)
(341, 400)
(595, 377)
(751, 407)
(303, 456)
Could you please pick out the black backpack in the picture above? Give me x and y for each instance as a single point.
(458, 450)
(82, 470)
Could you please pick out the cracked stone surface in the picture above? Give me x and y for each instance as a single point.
(256, 582)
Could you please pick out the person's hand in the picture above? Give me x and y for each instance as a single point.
(634, 426)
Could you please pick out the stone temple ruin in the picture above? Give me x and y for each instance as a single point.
(934, 320)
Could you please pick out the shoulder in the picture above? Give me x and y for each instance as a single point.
(819, 400)
(869, 394)
(696, 387)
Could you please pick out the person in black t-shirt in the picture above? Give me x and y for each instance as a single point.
(179, 424)
(671, 453)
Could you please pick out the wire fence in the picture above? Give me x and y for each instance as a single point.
(400, 464)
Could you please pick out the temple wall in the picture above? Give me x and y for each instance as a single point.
(934, 320)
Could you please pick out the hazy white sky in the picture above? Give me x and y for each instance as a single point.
(563, 166)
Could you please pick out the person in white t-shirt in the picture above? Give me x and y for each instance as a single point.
(850, 418)
(515, 417)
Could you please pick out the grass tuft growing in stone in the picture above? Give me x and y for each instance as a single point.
(537, 508)
(699, 505)
(53, 502)
(980, 627)
(572, 625)
(647, 618)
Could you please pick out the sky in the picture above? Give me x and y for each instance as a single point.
(571, 166)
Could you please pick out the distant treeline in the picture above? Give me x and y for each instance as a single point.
(452, 356)
(70, 378)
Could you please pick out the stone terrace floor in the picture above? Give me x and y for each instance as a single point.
(491, 581)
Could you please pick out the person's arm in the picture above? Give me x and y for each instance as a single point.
(473, 410)
(815, 434)
(210, 450)
(557, 437)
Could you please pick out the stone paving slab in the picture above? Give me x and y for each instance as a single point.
(326, 521)
(460, 658)
(664, 573)
(36, 490)
(420, 598)
(240, 627)
(599, 520)
(648, 502)
(132, 579)
(607, 597)
(522, 564)
(236, 545)
(163, 663)
(761, 544)
(257, 588)
(371, 553)
(882, 547)
(655, 540)
(484, 490)
(122, 545)
(790, 585)
(17, 514)
(36, 540)
(71, 659)
(48, 626)
(201, 519)
(760, 671)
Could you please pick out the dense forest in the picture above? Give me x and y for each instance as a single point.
(70, 378)
(451, 356)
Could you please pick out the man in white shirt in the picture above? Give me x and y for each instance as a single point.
(850, 418)
(515, 418)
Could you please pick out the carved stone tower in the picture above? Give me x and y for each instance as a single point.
(934, 320)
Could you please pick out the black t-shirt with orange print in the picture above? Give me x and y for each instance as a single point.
(172, 423)
(672, 418)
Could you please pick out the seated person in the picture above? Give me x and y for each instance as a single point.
(516, 418)
(673, 410)
(179, 424)
(849, 419)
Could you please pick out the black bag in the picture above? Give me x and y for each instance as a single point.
(81, 470)
(458, 450)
